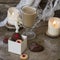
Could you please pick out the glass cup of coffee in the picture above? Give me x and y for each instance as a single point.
(28, 18)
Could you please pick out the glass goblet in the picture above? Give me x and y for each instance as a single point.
(28, 17)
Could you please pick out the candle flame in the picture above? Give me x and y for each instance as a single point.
(55, 24)
(13, 13)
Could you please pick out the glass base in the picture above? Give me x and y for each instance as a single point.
(30, 35)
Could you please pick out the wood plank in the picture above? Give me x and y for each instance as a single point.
(9, 1)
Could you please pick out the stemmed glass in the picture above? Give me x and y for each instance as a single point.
(28, 17)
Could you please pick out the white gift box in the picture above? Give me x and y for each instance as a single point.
(17, 48)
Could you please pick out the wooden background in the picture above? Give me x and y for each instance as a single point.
(14, 1)
(3, 9)
(8, 1)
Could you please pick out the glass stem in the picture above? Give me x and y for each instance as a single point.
(27, 29)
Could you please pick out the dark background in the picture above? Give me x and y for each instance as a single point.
(3, 9)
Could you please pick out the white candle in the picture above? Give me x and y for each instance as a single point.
(53, 26)
(13, 15)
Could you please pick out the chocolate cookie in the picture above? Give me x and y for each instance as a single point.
(35, 47)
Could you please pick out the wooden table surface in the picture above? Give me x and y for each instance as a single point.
(51, 45)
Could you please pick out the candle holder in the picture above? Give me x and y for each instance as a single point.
(47, 34)
(53, 27)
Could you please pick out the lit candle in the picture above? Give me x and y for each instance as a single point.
(13, 15)
(24, 57)
(53, 26)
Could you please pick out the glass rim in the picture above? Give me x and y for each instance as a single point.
(29, 7)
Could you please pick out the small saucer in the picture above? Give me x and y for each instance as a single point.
(12, 27)
(52, 36)
(9, 26)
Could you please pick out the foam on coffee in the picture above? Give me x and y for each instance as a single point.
(28, 10)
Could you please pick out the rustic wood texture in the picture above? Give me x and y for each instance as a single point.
(9, 1)
(51, 45)
(50, 53)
